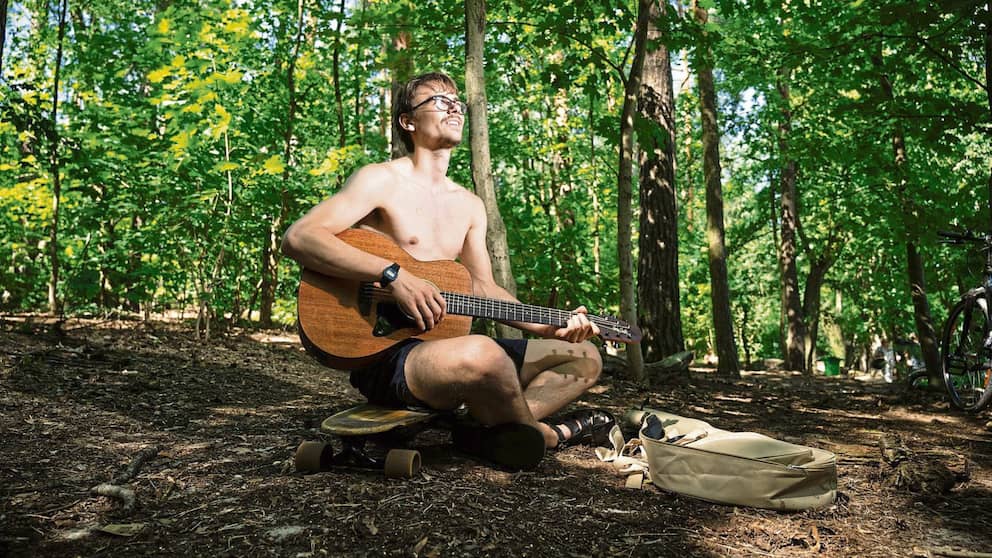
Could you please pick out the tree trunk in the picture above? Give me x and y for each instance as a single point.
(819, 265)
(914, 260)
(743, 333)
(339, 104)
(988, 88)
(812, 303)
(270, 252)
(54, 304)
(594, 195)
(482, 173)
(723, 325)
(794, 352)
(3, 31)
(400, 71)
(632, 87)
(658, 268)
(921, 313)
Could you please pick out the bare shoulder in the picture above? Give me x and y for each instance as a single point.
(372, 177)
(476, 207)
(467, 199)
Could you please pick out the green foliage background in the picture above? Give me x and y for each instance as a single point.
(173, 117)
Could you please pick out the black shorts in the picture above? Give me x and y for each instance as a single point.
(384, 383)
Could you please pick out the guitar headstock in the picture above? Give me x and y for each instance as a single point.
(616, 330)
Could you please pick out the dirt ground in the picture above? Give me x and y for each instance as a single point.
(203, 434)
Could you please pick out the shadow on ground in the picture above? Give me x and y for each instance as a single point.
(226, 414)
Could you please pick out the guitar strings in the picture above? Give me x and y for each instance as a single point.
(469, 300)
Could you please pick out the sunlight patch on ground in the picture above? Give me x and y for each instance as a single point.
(750, 373)
(736, 398)
(922, 418)
(856, 415)
(281, 339)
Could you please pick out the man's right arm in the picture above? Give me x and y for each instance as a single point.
(313, 243)
(312, 240)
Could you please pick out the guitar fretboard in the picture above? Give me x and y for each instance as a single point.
(502, 310)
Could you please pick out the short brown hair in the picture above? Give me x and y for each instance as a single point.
(404, 101)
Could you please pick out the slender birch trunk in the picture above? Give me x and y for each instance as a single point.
(482, 174)
(625, 195)
(723, 325)
(54, 304)
(270, 252)
(3, 31)
(339, 104)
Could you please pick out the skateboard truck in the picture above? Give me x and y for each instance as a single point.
(315, 457)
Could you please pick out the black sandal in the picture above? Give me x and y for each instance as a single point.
(588, 426)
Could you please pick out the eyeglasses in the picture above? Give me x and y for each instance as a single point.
(443, 104)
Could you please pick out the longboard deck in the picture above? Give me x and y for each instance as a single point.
(366, 419)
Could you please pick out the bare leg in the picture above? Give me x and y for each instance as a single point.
(473, 370)
(554, 374)
(476, 371)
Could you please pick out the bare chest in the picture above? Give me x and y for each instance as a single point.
(428, 227)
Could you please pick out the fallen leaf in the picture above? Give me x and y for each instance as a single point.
(419, 546)
(122, 529)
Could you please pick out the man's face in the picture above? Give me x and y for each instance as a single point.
(437, 116)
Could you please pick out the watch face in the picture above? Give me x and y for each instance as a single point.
(390, 273)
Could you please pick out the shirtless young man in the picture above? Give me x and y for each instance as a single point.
(412, 201)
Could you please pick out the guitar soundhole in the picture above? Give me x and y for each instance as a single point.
(389, 318)
(365, 298)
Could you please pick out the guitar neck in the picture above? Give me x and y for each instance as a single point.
(502, 310)
(610, 328)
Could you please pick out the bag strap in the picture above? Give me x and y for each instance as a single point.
(627, 457)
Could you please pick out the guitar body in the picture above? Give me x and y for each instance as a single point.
(348, 327)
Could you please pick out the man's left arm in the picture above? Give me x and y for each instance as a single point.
(475, 257)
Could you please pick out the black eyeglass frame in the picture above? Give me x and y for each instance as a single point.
(443, 104)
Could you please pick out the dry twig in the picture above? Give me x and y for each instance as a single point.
(143, 457)
(122, 493)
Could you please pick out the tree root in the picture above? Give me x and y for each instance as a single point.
(113, 489)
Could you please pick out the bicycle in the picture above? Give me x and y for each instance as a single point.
(966, 342)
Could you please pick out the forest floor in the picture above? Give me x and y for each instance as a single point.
(203, 433)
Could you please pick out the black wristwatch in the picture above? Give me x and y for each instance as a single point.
(389, 275)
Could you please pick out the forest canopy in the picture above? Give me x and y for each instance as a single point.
(153, 153)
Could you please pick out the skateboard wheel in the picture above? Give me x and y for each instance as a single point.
(308, 457)
(402, 464)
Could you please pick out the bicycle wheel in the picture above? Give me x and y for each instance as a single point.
(918, 379)
(966, 354)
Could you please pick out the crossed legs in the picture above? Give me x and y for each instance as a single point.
(474, 370)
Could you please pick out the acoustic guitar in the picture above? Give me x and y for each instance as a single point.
(350, 324)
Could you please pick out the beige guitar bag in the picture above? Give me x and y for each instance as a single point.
(692, 457)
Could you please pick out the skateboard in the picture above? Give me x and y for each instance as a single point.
(361, 425)
(514, 446)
